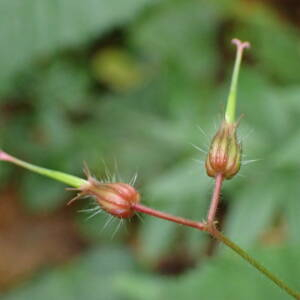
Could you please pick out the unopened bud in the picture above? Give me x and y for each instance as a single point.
(225, 152)
(117, 199)
(114, 198)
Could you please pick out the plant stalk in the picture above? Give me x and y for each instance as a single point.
(71, 180)
(162, 215)
(215, 199)
(231, 101)
(209, 226)
(258, 266)
(211, 229)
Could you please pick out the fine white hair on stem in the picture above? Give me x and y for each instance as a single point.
(133, 179)
(203, 132)
(249, 161)
(86, 170)
(108, 175)
(199, 149)
(117, 228)
(207, 139)
(88, 210)
(140, 217)
(99, 211)
(117, 174)
(247, 134)
(109, 219)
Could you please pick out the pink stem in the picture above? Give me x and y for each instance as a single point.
(215, 199)
(240, 45)
(152, 212)
(5, 157)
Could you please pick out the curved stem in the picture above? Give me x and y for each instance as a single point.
(211, 229)
(225, 240)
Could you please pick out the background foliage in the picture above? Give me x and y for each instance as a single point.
(125, 85)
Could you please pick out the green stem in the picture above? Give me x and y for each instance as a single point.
(209, 227)
(222, 238)
(231, 101)
(71, 180)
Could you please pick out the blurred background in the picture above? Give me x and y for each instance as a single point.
(128, 86)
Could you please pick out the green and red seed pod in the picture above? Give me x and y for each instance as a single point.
(116, 199)
(224, 156)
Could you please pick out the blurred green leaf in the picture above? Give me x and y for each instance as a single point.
(32, 31)
(274, 43)
(224, 277)
(183, 35)
(63, 84)
(41, 194)
(291, 207)
(166, 193)
(140, 287)
(118, 69)
(253, 209)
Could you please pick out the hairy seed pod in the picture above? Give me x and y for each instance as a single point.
(225, 152)
(114, 198)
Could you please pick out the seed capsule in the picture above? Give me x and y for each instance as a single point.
(225, 152)
(114, 198)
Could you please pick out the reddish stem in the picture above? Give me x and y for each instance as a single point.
(215, 199)
(152, 212)
(210, 228)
